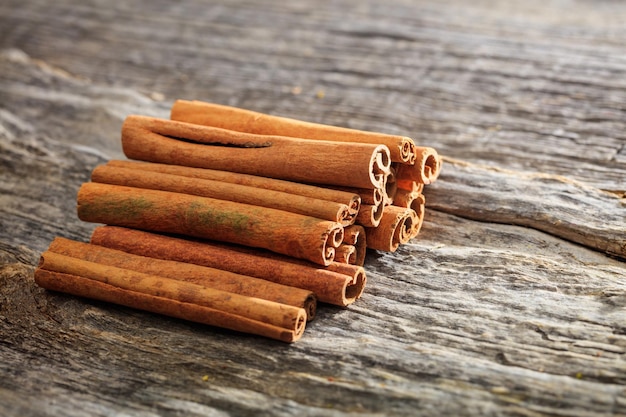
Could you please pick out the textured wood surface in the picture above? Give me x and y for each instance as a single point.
(511, 301)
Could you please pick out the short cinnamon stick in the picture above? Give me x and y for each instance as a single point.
(395, 227)
(313, 207)
(309, 161)
(370, 215)
(346, 254)
(355, 235)
(287, 233)
(207, 277)
(426, 168)
(209, 114)
(170, 297)
(335, 284)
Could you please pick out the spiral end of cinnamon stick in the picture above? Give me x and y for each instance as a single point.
(354, 289)
(407, 150)
(310, 306)
(380, 166)
(429, 164)
(299, 326)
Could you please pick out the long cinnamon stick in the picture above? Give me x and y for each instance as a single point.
(309, 161)
(209, 114)
(170, 297)
(352, 200)
(207, 277)
(335, 284)
(313, 207)
(279, 231)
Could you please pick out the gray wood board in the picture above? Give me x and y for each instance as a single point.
(505, 303)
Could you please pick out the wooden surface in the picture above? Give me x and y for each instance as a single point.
(511, 301)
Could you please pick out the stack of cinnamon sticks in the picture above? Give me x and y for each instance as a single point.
(241, 220)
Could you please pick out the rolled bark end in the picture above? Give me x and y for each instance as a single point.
(394, 228)
(370, 215)
(354, 290)
(427, 165)
(419, 207)
(403, 232)
(380, 166)
(345, 216)
(390, 191)
(354, 205)
(329, 255)
(356, 280)
(345, 254)
(425, 170)
(336, 236)
(407, 150)
(351, 234)
(310, 307)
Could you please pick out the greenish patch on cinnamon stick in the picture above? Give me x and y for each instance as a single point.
(198, 213)
(105, 207)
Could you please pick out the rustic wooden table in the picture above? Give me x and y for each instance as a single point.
(511, 301)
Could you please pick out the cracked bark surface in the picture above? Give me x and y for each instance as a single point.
(511, 301)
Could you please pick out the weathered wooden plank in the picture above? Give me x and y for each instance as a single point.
(473, 317)
(554, 204)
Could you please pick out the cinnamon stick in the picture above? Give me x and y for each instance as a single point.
(426, 168)
(352, 200)
(302, 160)
(170, 297)
(335, 284)
(396, 227)
(287, 233)
(200, 275)
(313, 207)
(209, 114)
(355, 235)
(370, 215)
(415, 201)
(346, 254)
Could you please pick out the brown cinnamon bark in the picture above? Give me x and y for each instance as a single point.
(209, 114)
(335, 284)
(279, 231)
(195, 274)
(302, 160)
(395, 227)
(426, 168)
(352, 200)
(370, 215)
(346, 254)
(355, 235)
(415, 201)
(313, 207)
(170, 297)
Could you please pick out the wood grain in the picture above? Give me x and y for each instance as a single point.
(511, 300)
